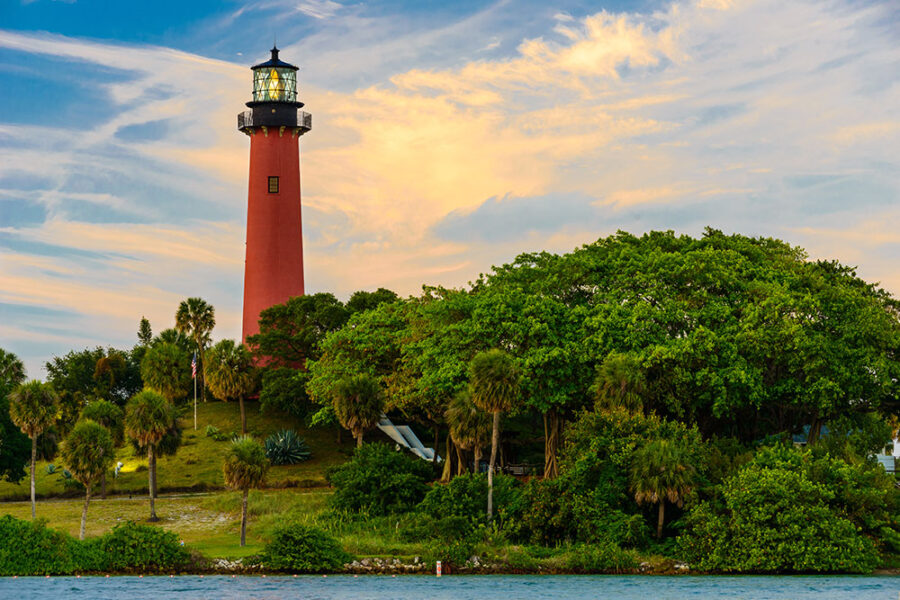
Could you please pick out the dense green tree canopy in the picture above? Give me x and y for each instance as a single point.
(290, 333)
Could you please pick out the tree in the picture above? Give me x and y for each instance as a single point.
(14, 451)
(362, 300)
(145, 333)
(245, 468)
(290, 333)
(12, 370)
(112, 418)
(494, 387)
(619, 383)
(359, 404)
(33, 407)
(166, 368)
(148, 417)
(230, 373)
(661, 471)
(470, 428)
(196, 319)
(88, 453)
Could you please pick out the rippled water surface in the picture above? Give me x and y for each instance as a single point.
(512, 587)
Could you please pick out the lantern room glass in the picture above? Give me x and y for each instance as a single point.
(274, 84)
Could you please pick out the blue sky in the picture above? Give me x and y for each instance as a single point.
(447, 137)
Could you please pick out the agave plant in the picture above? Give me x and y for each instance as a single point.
(285, 447)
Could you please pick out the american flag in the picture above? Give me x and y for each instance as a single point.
(194, 366)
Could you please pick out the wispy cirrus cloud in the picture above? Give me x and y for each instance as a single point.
(763, 117)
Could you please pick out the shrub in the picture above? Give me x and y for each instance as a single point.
(30, 548)
(134, 547)
(466, 496)
(557, 511)
(301, 549)
(599, 558)
(379, 480)
(215, 433)
(787, 511)
(285, 447)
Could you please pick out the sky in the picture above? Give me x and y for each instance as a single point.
(447, 137)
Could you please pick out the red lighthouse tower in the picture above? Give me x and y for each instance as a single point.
(274, 265)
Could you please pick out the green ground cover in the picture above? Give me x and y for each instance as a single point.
(197, 466)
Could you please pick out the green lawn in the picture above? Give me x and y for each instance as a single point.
(198, 464)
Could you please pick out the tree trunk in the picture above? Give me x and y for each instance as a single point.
(551, 444)
(243, 416)
(87, 499)
(359, 440)
(815, 429)
(662, 516)
(447, 473)
(33, 459)
(460, 461)
(151, 458)
(103, 485)
(244, 519)
(477, 452)
(435, 448)
(495, 441)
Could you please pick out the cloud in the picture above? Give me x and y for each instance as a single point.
(764, 117)
(319, 9)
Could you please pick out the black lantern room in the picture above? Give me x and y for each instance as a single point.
(274, 102)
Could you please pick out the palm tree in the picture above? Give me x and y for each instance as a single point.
(12, 371)
(494, 386)
(112, 418)
(166, 368)
(196, 319)
(108, 368)
(33, 407)
(661, 471)
(245, 468)
(230, 373)
(470, 428)
(620, 383)
(88, 453)
(148, 417)
(358, 404)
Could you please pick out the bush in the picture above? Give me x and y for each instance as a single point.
(301, 549)
(788, 511)
(215, 433)
(466, 496)
(599, 558)
(379, 480)
(557, 511)
(30, 548)
(286, 448)
(134, 547)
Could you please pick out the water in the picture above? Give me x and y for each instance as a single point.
(484, 587)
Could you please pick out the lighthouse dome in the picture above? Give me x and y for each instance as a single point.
(274, 80)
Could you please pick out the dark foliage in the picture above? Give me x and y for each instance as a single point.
(379, 480)
(300, 549)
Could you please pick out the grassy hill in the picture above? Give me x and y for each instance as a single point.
(198, 464)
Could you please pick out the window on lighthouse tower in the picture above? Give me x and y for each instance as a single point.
(273, 185)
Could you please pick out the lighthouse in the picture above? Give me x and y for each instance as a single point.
(273, 271)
